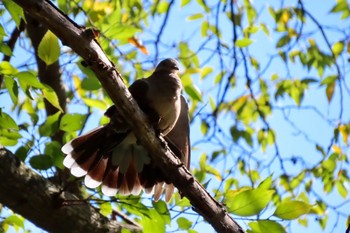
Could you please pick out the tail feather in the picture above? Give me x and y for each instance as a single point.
(115, 161)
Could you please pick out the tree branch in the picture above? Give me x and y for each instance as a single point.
(81, 41)
(41, 201)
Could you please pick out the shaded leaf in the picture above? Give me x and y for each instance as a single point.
(72, 122)
(41, 162)
(50, 126)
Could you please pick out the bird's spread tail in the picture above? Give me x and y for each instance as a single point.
(115, 161)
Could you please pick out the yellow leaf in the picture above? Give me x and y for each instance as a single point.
(337, 149)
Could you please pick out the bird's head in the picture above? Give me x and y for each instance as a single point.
(169, 65)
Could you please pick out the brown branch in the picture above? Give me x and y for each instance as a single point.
(80, 41)
(40, 201)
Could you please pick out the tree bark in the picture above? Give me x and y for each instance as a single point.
(42, 202)
(81, 40)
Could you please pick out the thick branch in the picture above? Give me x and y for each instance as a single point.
(40, 201)
(81, 42)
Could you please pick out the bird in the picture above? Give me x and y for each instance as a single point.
(110, 155)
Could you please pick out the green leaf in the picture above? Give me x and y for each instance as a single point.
(50, 126)
(162, 7)
(53, 149)
(7, 69)
(283, 41)
(341, 188)
(90, 84)
(27, 78)
(195, 16)
(14, 220)
(162, 208)
(49, 49)
(330, 91)
(266, 184)
(153, 223)
(206, 71)
(289, 210)
(106, 209)
(121, 32)
(41, 162)
(184, 223)
(249, 202)
(94, 103)
(337, 48)
(50, 95)
(6, 122)
(5, 49)
(184, 2)
(12, 87)
(340, 6)
(15, 11)
(72, 122)
(193, 92)
(243, 42)
(9, 137)
(265, 226)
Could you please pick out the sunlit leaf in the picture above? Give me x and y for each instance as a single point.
(266, 184)
(51, 96)
(15, 221)
(15, 11)
(341, 188)
(249, 202)
(49, 49)
(265, 226)
(243, 42)
(9, 137)
(195, 16)
(12, 87)
(95, 103)
(289, 210)
(6, 121)
(193, 92)
(106, 209)
(138, 44)
(337, 48)
(162, 208)
(122, 32)
(184, 2)
(184, 223)
(7, 69)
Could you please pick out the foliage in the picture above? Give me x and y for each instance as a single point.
(268, 89)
